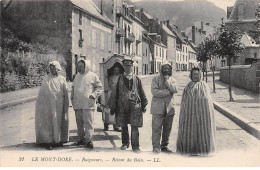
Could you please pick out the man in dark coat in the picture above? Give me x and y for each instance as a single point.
(129, 101)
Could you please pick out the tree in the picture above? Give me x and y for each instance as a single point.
(229, 47)
(211, 47)
(202, 57)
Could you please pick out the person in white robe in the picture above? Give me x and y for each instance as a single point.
(86, 89)
(51, 111)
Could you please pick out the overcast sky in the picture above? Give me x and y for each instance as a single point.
(220, 3)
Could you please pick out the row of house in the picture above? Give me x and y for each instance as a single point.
(97, 29)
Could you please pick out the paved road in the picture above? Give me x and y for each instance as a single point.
(17, 132)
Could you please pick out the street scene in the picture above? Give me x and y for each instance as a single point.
(236, 145)
(130, 83)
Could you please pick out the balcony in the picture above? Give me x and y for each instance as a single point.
(81, 42)
(130, 37)
(120, 32)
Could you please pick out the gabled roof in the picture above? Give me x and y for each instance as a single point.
(91, 8)
(249, 7)
(167, 30)
(248, 41)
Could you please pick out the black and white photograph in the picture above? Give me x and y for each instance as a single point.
(130, 83)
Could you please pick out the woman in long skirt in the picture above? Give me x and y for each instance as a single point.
(196, 135)
(51, 111)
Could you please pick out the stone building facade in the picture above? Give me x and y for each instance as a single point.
(72, 27)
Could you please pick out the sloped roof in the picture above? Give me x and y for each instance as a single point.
(192, 46)
(129, 2)
(178, 34)
(166, 29)
(248, 41)
(90, 7)
(250, 7)
(148, 15)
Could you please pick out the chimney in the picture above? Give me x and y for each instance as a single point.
(193, 34)
(207, 24)
(101, 7)
(161, 22)
(200, 30)
(157, 20)
(142, 10)
(167, 23)
(183, 34)
(201, 26)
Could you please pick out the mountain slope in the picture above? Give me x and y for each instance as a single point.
(183, 13)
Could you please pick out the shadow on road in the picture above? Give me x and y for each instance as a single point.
(70, 145)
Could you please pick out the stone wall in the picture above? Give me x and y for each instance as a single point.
(243, 76)
(34, 77)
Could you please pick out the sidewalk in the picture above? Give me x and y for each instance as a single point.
(246, 103)
(21, 96)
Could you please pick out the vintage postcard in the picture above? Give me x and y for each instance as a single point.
(130, 83)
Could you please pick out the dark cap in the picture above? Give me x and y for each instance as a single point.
(127, 60)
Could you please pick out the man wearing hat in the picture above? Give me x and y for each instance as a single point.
(129, 101)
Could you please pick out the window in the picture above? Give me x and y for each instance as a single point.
(102, 39)
(80, 18)
(223, 63)
(163, 53)
(118, 22)
(109, 43)
(94, 40)
(146, 52)
(186, 49)
(136, 49)
(129, 30)
(156, 51)
(80, 34)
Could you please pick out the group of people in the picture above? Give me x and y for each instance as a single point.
(128, 101)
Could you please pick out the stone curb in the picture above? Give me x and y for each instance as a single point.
(20, 101)
(240, 121)
(15, 102)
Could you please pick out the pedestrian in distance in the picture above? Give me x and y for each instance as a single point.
(112, 82)
(196, 134)
(51, 110)
(129, 101)
(163, 88)
(86, 88)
